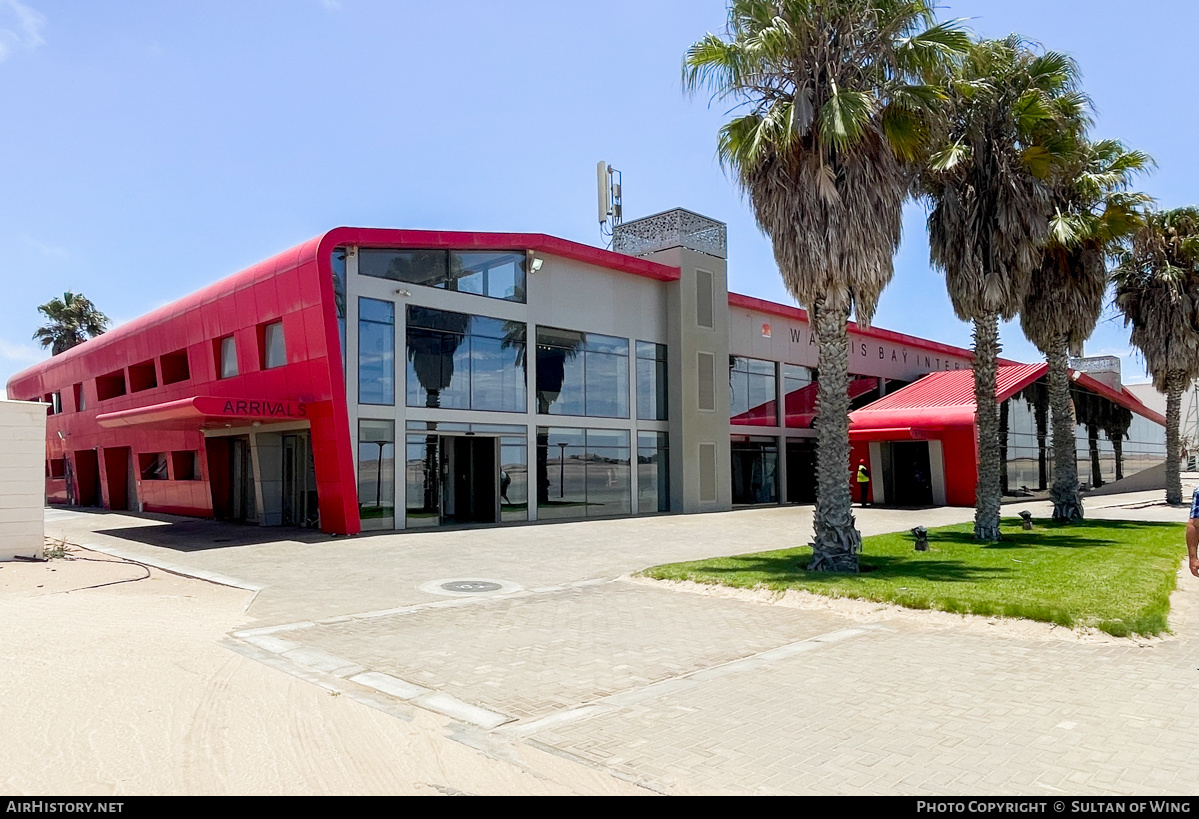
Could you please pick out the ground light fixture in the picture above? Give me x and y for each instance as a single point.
(921, 534)
(1026, 516)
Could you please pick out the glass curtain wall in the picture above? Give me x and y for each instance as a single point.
(755, 465)
(376, 474)
(651, 381)
(376, 352)
(493, 274)
(653, 473)
(1141, 444)
(582, 473)
(461, 361)
(422, 475)
(752, 392)
(799, 396)
(582, 374)
(338, 264)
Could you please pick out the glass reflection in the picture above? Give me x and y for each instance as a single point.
(459, 361)
(1111, 442)
(651, 381)
(514, 479)
(376, 352)
(653, 473)
(752, 392)
(337, 263)
(582, 473)
(582, 374)
(376, 474)
(494, 274)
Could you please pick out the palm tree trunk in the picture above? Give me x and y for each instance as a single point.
(987, 498)
(1093, 447)
(837, 541)
(1175, 383)
(1067, 502)
(1118, 448)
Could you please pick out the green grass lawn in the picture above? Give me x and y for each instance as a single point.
(1112, 575)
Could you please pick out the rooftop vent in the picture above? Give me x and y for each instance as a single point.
(1105, 368)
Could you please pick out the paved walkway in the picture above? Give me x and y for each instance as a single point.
(693, 693)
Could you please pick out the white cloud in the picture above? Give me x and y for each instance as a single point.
(20, 27)
(47, 250)
(20, 353)
(332, 5)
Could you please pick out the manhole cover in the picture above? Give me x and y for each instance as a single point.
(471, 586)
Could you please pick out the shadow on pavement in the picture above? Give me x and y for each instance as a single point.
(191, 535)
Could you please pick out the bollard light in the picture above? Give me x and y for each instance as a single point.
(1027, 517)
(921, 538)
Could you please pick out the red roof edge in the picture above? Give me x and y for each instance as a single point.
(469, 240)
(799, 314)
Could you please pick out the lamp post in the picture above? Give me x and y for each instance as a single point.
(561, 469)
(379, 473)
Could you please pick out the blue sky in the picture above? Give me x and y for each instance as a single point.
(151, 148)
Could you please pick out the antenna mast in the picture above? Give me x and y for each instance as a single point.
(608, 199)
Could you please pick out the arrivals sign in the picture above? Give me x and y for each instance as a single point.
(255, 408)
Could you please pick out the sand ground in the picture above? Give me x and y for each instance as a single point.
(124, 689)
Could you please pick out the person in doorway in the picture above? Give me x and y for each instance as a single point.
(505, 482)
(863, 481)
(1193, 535)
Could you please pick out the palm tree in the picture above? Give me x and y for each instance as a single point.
(837, 113)
(1011, 113)
(1157, 291)
(73, 319)
(1093, 213)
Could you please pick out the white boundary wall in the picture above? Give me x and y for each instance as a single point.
(22, 478)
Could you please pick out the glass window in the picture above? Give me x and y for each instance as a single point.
(514, 479)
(80, 400)
(376, 352)
(651, 381)
(424, 267)
(376, 474)
(228, 348)
(799, 396)
(337, 263)
(459, 361)
(153, 466)
(582, 374)
(421, 485)
(752, 392)
(494, 274)
(582, 473)
(653, 473)
(274, 351)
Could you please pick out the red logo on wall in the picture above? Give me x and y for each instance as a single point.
(765, 331)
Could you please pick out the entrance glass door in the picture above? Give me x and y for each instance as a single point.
(907, 478)
(299, 482)
(469, 479)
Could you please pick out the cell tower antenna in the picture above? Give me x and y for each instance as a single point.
(608, 199)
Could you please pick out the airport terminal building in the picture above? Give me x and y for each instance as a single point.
(378, 379)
